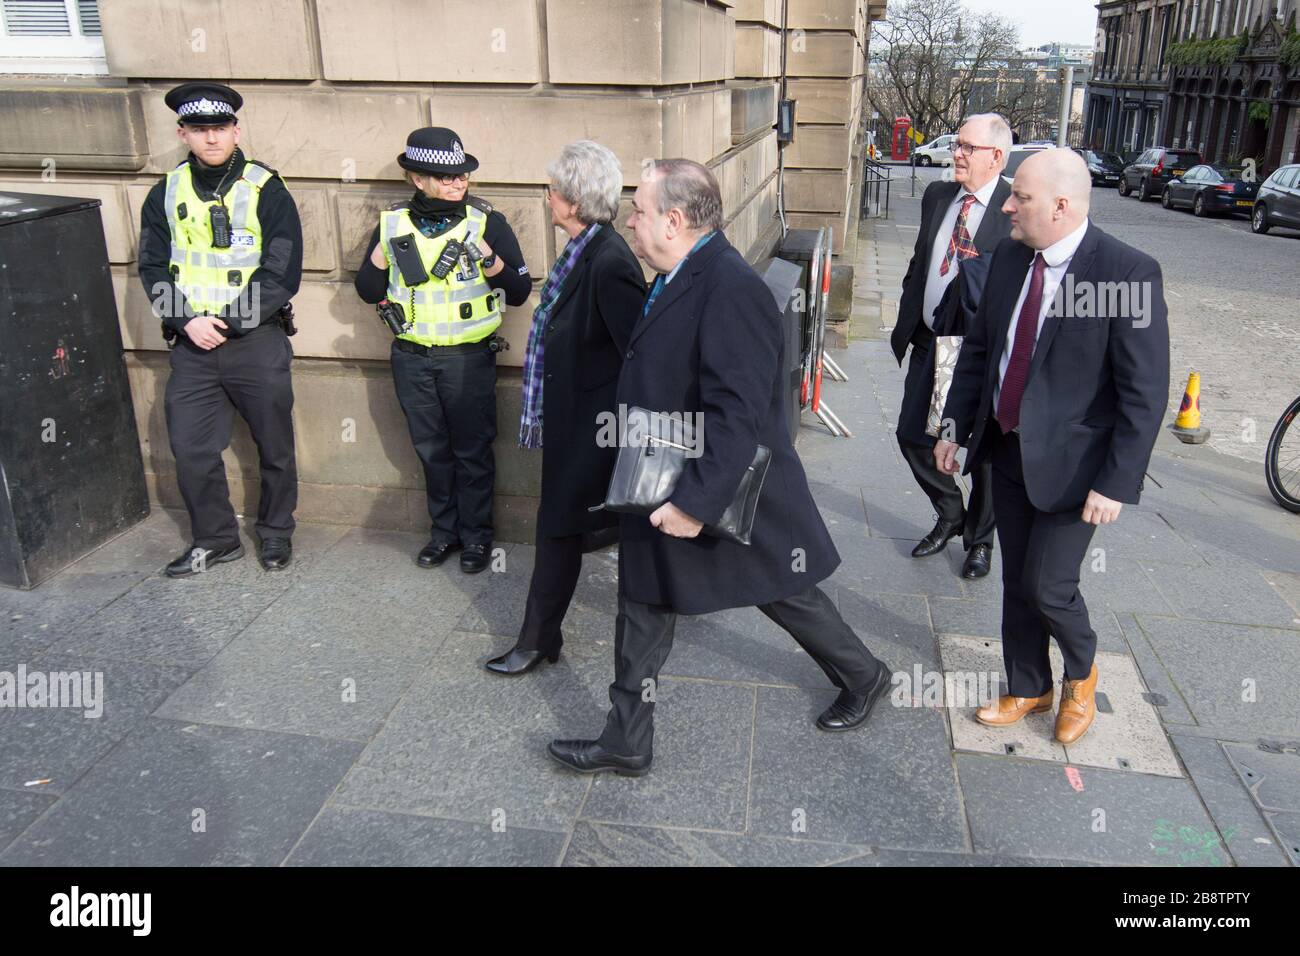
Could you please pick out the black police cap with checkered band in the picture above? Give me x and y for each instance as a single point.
(203, 104)
(436, 149)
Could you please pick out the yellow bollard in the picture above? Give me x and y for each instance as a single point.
(1187, 426)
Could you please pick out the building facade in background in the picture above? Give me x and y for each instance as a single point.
(332, 88)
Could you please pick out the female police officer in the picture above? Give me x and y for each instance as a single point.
(440, 259)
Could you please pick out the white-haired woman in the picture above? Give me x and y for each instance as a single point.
(580, 332)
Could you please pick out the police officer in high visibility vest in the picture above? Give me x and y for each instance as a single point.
(439, 267)
(220, 258)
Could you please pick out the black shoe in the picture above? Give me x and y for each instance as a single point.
(520, 661)
(275, 553)
(195, 560)
(978, 562)
(588, 756)
(435, 553)
(851, 709)
(938, 538)
(474, 558)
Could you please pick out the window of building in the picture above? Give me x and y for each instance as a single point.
(51, 36)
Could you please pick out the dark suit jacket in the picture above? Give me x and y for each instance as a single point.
(712, 343)
(1098, 386)
(586, 336)
(911, 329)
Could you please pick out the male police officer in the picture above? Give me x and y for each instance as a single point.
(437, 264)
(220, 257)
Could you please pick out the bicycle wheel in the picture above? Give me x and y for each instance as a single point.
(1282, 460)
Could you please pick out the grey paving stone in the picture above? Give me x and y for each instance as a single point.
(740, 644)
(922, 858)
(1165, 696)
(463, 743)
(1273, 779)
(1287, 586)
(18, 810)
(31, 621)
(1028, 808)
(895, 627)
(873, 566)
(1287, 827)
(257, 791)
(982, 617)
(148, 547)
(343, 836)
(703, 733)
(1141, 534)
(601, 844)
(1222, 594)
(888, 783)
(1244, 831)
(1212, 663)
(839, 505)
(60, 744)
(1123, 587)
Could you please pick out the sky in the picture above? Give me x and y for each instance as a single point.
(1045, 21)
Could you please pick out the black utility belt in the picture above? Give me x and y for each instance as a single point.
(482, 345)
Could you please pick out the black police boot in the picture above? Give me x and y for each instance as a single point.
(475, 558)
(275, 553)
(436, 552)
(196, 560)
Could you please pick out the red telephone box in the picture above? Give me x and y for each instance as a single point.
(902, 142)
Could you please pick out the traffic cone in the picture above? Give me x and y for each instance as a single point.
(1187, 426)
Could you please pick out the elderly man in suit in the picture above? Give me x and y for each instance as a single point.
(1062, 384)
(708, 346)
(959, 220)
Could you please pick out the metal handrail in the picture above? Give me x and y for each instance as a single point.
(875, 176)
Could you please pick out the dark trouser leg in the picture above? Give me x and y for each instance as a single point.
(643, 637)
(812, 619)
(941, 489)
(467, 388)
(555, 576)
(257, 379)
(199, 420)
(1057, 547)
(414, 379)
(1024, 631)
(979, 510)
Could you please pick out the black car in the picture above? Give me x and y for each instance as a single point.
(1148, 174)
(1105, 168)
(1278, 201)
(1210, 189)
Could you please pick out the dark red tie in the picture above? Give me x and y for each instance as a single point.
(1022, 350)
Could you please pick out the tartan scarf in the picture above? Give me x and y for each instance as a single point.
(530, 421)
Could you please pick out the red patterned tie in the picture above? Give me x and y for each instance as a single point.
(959, 243)
(1022, 351)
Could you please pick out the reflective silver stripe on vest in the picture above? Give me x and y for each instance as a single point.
(477, 224)
(169, 203)
(435, 330)
(259, 176)
(240, 259)
(223, 294)
(466, 293)
(239, 211)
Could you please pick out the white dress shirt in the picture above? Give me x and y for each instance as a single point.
(1056, 258)
(935, 284)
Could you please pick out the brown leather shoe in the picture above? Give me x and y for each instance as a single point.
(1078, 707)
(1007, 709)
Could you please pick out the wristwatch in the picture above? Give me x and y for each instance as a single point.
(489, 261)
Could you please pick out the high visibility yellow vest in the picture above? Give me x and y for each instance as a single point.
(452, 311)
(212, 278)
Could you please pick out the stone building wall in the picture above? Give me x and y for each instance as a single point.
(331, 89)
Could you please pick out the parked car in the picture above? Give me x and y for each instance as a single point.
(937, 152)
(1105, 168)
(1148, 173)
(1278, 201)
(1018, 155)
(1210, 189)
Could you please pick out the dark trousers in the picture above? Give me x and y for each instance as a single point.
(1041, 556)
(945, 495)
(555, 576)
(643, 637)
(449, 397)
(249, 374)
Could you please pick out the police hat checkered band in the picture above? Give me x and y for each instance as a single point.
(205, 107)
(438, 157)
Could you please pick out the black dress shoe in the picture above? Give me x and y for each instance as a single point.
(588, 756)
(520, 661)
(275, 553)
(851, 709)
(938, 538)
(978, 561)
(474, 558)
(196, 560)
(434, 553)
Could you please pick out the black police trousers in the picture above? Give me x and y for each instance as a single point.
(449, 396)
(249, 374)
